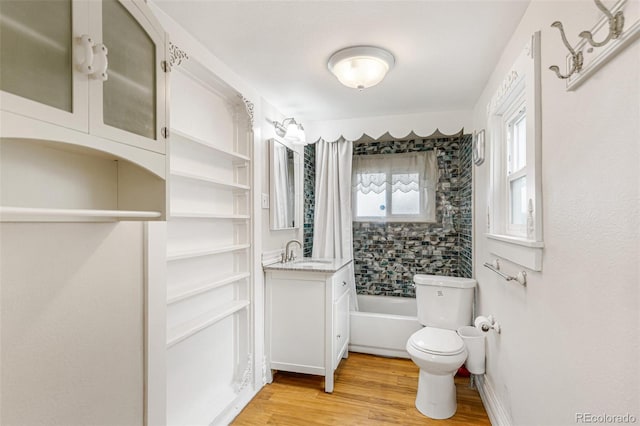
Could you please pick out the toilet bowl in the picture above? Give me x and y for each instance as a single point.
(444, 305)
(438, 353)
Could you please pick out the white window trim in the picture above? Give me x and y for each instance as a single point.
(520, 87)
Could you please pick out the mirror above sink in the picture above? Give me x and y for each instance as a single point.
(285, 186)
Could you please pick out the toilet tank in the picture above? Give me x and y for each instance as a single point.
(444, 302)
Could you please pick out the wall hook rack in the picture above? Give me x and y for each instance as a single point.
(616, 24)
(617, 27)
(577, 58)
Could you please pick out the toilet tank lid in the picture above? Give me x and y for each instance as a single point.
(440, 281)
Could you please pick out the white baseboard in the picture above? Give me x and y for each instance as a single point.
(231, 412)
(495, 409)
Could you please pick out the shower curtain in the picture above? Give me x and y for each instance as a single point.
(332, 233)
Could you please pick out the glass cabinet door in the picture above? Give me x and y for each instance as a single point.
(37, 42)
(130, 101)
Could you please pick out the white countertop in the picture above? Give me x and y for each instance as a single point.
(309, 264)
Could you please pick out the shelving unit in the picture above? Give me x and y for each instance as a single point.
(190, 254)
(189, 215)
(191, 327)
(199, 289)
(209, 180)
(29, 213)
(75, 145)
(209, 256)
(178, 136)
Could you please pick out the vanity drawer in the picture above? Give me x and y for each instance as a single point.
(341, 282)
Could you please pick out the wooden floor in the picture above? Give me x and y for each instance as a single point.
(369, 390)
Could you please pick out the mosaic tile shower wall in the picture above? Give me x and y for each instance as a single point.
(387, 255)
(464, 222)
(309, 198)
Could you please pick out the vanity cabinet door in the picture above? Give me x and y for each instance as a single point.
(128, 102)
(296, 324)
(39, 53)
(341, 328)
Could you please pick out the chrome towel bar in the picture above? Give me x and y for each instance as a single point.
(521, 277)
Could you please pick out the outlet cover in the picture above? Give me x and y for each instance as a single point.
(265, 201)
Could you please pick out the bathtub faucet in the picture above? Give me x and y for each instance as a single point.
(288, 255)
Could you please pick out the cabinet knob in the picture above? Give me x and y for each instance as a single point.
(338, 336)
(344, 283)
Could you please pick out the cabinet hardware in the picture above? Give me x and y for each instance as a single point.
(86, 65)
(100, 53)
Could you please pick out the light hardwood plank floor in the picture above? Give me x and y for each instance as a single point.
(369, 390)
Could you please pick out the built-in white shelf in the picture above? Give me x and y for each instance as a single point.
(177, 135)
(18, 213)
(212, 181)
(187, 329)
(174, 298)
(198, 215)
(189, 254)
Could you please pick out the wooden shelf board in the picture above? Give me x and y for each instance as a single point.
(192, 176)
(198, 215)
(205, 252)
(206, 287)
(189, 328)
(25, 212)
(179, 135)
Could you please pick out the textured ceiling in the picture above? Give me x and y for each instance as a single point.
(445, 50)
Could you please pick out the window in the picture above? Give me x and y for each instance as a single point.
(515, 202)
(516, 170)
(395, 187)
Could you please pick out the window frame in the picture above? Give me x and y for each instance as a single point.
(518, 95)
(514, 114)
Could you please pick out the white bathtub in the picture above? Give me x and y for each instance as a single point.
(383, 325)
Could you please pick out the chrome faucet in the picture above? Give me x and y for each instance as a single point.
(288, 255)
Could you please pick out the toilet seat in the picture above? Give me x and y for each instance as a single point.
(437, 341)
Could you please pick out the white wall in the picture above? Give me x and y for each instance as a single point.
(72, 315)
(570, 339)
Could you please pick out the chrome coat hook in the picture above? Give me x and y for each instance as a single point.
(616, 24)
(576, 57)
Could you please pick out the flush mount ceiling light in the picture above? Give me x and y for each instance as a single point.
(360, 67)
(291, 131)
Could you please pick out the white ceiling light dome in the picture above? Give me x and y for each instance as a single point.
(360, 67)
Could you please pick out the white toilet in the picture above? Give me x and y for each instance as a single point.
(444, 304)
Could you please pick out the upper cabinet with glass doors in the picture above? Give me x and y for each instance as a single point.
(83, 108)
(91, 66)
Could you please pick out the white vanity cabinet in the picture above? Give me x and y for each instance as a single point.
(308, 318)
(87, 78)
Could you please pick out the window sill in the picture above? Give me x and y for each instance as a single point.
(522, 251)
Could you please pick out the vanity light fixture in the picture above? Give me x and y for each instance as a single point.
(360, 67)
(291, 131)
